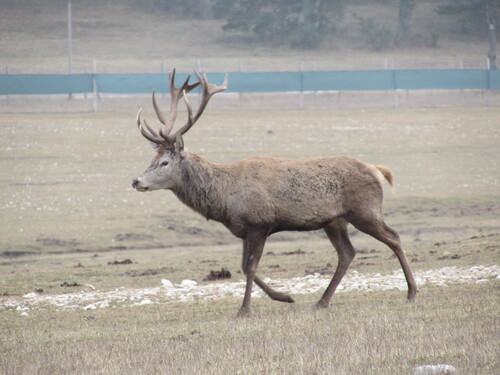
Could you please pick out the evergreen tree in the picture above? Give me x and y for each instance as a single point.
(295, 23)
(405, 10)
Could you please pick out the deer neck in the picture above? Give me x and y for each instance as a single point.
(201, 187)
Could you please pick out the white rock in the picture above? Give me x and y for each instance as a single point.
(30, 295)
(481, 281)
(188, 283)
(434, 370)
(90, 307)
(25, 313)
(167, 283)
(103, 304)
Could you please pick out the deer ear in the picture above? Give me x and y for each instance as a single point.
(179, 144)
(155, 146)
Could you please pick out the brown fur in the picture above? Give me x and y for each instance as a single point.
(257, 197)
(275, 195)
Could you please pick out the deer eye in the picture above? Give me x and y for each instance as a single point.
(164, 163)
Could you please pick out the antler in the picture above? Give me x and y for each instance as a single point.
(163, 136)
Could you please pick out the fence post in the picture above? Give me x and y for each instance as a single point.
(70, 44)
(162, 71)
(315, 68)
(7, 72)
(198, 67)
(84, 71)
(240, 94)
(301, 94)
(488, 88)
(94, 88)
(395, 84)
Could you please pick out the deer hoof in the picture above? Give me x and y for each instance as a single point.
(321, 304)
(411, 299)
(282, 297)
(412, 296)
(243, 313)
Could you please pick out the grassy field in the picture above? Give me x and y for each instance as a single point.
(68, 209)
(372, 333)
(125, 37)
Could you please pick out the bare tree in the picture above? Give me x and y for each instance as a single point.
(490, 20)
(473, 16)
(257, 197)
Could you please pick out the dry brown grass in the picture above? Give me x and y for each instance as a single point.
(65, 201)
(362, 333)
(66, 195)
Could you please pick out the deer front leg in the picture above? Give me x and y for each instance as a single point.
(253, 246)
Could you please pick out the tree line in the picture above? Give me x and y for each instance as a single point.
(306, 24)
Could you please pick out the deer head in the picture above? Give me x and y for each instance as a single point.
(165, 169)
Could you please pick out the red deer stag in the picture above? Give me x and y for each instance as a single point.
(257, 197)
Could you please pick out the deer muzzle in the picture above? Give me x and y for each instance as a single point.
(136, 184)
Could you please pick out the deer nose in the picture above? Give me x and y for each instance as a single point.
(135, 183)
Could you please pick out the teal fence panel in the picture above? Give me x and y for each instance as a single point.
(261, 81)
(131, 83)
(21, 84)
(441, 79)
(241, 82)
(494, 79)
(348, 80)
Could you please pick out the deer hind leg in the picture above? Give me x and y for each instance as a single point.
(274, 294)
(376, 228)
(337, 233)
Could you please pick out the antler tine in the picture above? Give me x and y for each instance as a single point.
(175, 94)
(207, 91)
(214, 89)
(157, 110)
(138, 118)
(163, 137)
(171, 137)
(152, 135)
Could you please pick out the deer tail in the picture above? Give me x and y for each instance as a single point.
(386, 172)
